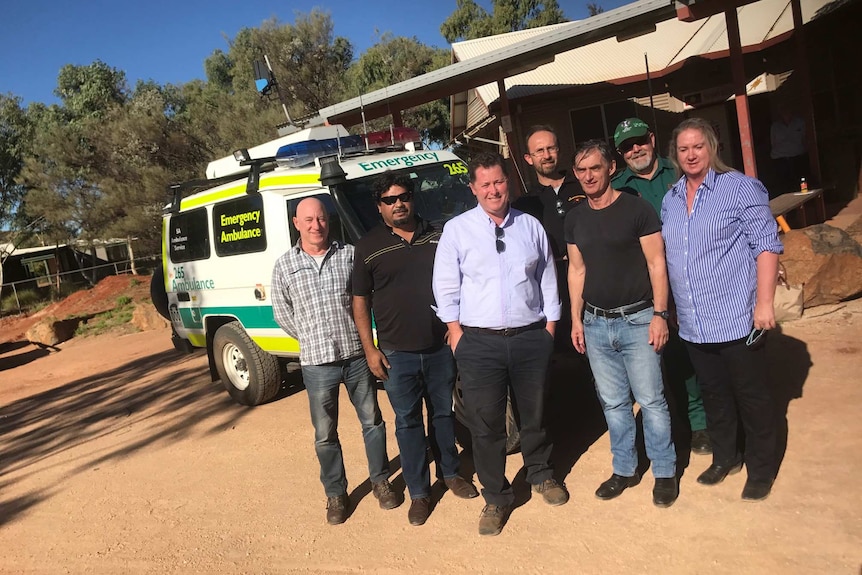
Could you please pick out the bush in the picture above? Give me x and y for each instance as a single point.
(123, 301)
(26, 298)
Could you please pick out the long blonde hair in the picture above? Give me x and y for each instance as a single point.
(709, 135)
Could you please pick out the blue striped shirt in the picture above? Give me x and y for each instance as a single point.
(711, 254)
(479, 287)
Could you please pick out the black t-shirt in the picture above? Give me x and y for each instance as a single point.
(609, 242)
(545, 205)
(396, 276)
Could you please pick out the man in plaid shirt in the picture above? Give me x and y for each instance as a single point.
(311, 301)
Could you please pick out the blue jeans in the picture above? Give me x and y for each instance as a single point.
(323, 383)
(415, 377)
(624, 364)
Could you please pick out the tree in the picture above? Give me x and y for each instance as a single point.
(395, 59)
(470, 21)
(88, 91)
(15, 133)
(594, 9)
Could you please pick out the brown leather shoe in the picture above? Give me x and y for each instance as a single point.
(336, 509)
(420, 510)
(460, 487)
(388, 499)
(493, 519)
(552, 492)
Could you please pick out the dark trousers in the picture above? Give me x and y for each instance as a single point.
(732, 378)
(491, 365)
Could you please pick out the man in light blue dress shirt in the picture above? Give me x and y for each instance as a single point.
(495, 286)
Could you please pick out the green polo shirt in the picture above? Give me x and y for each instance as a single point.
(652, 190)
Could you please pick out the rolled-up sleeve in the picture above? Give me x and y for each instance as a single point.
(758, 225)
(446, 281)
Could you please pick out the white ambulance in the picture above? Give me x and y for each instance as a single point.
(222, 236)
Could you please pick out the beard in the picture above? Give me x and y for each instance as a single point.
(547, 169)
(642, 163)
(400, 218)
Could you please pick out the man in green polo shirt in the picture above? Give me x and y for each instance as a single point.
(650, 176)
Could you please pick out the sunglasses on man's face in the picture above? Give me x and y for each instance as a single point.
(390, 200)
(629, 145)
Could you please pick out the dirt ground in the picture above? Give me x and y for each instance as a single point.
(118, 455)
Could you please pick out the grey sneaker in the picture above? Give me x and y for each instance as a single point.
(552, 492)
(382, 491)
(336, 509)
(493, 519)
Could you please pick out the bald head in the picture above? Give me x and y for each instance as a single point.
(312, 223)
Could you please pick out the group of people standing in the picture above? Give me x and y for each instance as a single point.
(632, 257)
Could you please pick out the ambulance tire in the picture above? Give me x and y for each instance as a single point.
(250, 375)
(462, 426)
(158, 295)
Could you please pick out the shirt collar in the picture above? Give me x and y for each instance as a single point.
(708, 182)
(333, 245)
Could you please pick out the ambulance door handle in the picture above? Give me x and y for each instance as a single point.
(183, 296)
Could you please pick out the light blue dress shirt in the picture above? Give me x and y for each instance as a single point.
(712, 253)
(479, 287)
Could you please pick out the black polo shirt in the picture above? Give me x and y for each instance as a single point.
(542, 204)
(396, 276)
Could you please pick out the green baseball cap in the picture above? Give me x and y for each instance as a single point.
(630, 128)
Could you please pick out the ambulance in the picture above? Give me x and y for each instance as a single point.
(222, 235)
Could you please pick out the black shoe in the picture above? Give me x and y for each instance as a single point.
(614, 486)
(665, 492)
(756, 490)
(493, 519)
(336, 509)
(382, 491)
(700, 442)
(420, 510)
(460, 487)
(715, 474)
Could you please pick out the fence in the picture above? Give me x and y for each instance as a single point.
(143, 265)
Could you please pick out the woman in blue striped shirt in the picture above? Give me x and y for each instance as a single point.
(722, 256)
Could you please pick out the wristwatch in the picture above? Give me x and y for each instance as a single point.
(662, 314)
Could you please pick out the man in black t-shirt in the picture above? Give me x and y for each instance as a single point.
(619, 292)
(392, 269)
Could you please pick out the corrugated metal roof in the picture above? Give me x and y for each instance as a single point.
(669, 45)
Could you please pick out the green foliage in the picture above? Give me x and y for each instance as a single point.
(113, 320)
(395, 59)
(123, 300)
(594, 9)
(26, 299)
(15, 133)
(470, 21)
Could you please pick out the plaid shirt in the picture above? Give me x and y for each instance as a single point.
(313, 304)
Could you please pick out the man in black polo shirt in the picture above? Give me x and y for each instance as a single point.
(558, 191)
(392, 270)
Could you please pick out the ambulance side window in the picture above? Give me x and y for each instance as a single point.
(336, 227)
(188, 236)
(238, 226)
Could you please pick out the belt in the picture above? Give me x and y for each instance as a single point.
(507, 332)
(618, 311)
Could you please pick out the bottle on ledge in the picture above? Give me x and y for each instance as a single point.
(803, 186)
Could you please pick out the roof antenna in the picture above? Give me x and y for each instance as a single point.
(364, 127)
(265, 82)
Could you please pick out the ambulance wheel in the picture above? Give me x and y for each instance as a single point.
(462, 425)
(157, 292)
(250, 375)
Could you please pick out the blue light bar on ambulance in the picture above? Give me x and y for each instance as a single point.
(304, 153)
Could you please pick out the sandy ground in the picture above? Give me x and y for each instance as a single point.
(117, 455)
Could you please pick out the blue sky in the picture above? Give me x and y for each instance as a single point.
(169, 41)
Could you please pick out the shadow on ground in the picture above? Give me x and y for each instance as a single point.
(47, 424)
